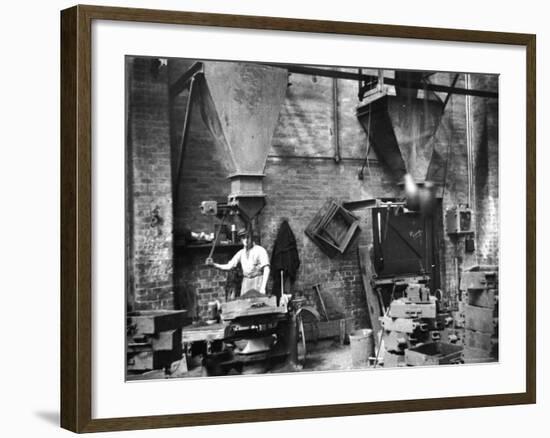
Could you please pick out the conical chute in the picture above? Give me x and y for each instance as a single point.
(401, 130)
(240, 104)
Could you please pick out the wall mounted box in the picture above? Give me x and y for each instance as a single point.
(459, 220)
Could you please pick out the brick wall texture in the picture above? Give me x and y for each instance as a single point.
(301, 173)
(149, 187)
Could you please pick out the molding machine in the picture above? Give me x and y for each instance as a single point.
(250, 329)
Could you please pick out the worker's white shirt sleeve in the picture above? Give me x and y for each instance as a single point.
(262, 256)
(235, 259)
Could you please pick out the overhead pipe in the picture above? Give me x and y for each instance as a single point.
(335, 120)
(469, 135)
(419, 85)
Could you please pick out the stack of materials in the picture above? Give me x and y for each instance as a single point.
(415, 333)
(479, 314)
(410, 320)
(154, 339)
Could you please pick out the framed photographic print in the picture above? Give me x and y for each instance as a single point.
(255, 204)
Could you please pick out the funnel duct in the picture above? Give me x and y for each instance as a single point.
(240, 103)
(401, 130)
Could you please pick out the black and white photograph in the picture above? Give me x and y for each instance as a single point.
(266, 218)
(286, 218)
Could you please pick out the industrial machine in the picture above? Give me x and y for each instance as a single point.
(251, 329)
(416, 333)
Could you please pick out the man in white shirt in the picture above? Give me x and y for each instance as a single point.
(254, 263)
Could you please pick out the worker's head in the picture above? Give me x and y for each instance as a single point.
(245, 237)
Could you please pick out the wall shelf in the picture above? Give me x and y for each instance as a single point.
(182, 245)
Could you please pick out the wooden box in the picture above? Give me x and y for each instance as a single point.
(480, 340)
(149, 322)
(478, 279)
(433, 353)
(338, 328)
(401, 308)
(154, 351)
(477, 355)
(481, 319)
(482, 297)
(333, 228)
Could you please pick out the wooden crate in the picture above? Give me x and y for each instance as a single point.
(433, 353)
(480, 319)
(148, 359)
(333, 228)
(477, 355)
(480, 340)
(478, 279)
(482, 298)
(149, 322)
(338, 328)
(154, 351)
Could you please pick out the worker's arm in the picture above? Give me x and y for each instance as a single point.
(229, 265)
(265, 277)
(264, 262)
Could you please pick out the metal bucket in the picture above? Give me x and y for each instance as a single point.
(362, 347)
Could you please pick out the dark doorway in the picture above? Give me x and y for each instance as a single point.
(405, 243)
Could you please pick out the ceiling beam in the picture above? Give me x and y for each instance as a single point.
(181, 84)
(330, 73)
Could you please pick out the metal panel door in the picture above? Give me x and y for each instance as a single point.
(404, 243)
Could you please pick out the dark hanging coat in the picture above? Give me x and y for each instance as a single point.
(284, 257)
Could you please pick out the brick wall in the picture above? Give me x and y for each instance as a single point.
(486, 172)
(452, 148)
(301, 174)
(149, 188)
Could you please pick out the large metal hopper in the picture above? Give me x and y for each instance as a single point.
(401, 130)
(240, 103)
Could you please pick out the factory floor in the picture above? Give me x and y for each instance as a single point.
(325, 355)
